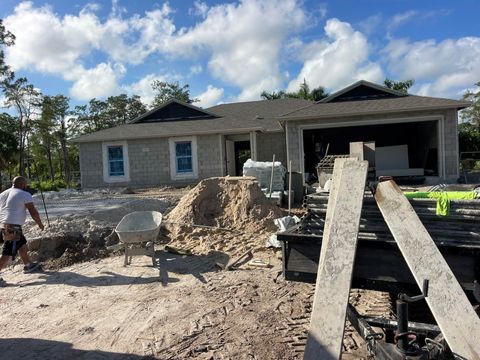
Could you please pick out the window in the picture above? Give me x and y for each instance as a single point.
(183, 153)
(183, 158)
(115, 162)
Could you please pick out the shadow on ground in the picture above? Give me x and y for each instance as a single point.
(37, 349)
(196, 265)
(167, 264)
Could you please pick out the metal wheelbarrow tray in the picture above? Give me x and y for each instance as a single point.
(138, 231)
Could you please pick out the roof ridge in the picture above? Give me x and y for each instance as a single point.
(261, 100)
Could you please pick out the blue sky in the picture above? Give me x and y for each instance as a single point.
(231, 51)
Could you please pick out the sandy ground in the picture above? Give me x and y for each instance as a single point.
(185, 307)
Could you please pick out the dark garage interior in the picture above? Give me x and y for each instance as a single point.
(421, 138)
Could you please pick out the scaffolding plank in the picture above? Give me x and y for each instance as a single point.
(453, 312)
(337, 255)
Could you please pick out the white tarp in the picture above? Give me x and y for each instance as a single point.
(262, 171)
(283, 224)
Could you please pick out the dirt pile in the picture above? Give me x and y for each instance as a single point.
(81, 236)
(236, 204)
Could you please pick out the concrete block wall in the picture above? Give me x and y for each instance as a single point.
(209, 156)
(452, 155)
(272, 143)
(292, 130)
(149, 161)
(91, 164)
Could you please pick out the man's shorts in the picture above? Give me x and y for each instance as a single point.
(10, 248)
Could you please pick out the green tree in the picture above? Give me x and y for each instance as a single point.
(165, 91)
(469, 129)
(468, 137)
(8, 144)
(472, 113)
(99, 115)
(6, 39)
(402, 86)
(303, 92)
(26, 101)
(45, 132)
(60, 108)
(273, 95)
(120, 109)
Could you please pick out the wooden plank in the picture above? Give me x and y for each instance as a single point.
(453, 312)
(337, 255)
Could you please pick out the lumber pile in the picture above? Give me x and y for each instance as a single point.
(462, 226)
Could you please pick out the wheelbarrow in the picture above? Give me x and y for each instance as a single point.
(138, 231)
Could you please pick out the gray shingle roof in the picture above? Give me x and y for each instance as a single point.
(233, 118)
(347, 108)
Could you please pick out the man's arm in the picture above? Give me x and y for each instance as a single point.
(34, 214)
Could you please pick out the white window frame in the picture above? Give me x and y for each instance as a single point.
(173, 158)
(126, 163)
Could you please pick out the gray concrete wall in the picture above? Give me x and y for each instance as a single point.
(452, 155)
(272, 143)
(209, 156)
(91, 164)
(450, 135)
(149, 161)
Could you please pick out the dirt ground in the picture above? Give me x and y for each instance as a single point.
(185, 307)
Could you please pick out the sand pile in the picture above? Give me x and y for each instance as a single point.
(235, 204)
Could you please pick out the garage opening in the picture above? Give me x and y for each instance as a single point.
(420, 138)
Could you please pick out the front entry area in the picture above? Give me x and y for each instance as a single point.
(237, 151)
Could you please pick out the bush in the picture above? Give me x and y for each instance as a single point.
(48, 185)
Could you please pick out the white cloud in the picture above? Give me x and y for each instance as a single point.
(47, 44)
(96, 82)
(92, 7)
(195, 69)
(338, 60)
(371, 24)
(244, 41)
(57, 45)
(210, 97)
(400, 19)
(143, 87)
(200, 9)
(322, 10)
(233, 37)
(439, 69)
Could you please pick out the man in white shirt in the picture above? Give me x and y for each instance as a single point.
(14, 203)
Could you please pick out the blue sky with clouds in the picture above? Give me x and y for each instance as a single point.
(231, 51)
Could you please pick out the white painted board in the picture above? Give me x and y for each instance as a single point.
(391, 157)
(401, 172)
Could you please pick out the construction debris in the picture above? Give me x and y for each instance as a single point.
(258, 263)
(176, 250)
(239, 260)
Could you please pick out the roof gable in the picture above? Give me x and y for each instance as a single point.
(362, 90)
(174, 110)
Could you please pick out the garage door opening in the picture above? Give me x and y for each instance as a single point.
(420, 137)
